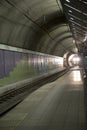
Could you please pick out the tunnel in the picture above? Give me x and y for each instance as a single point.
(41, 40)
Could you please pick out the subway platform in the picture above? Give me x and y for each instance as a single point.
(59, 105)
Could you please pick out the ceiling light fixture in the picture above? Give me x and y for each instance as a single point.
(72, 18)
(70, 11)
(68, 0)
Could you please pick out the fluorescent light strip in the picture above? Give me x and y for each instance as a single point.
(71, 15)
(70, 11)
(79, 29)
(73, 8)
(85, 14)
(77, 19)
(78, 24)
(68, 1)
(83, 1)
(71, 18)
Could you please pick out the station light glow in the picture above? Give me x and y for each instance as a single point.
(76, 59)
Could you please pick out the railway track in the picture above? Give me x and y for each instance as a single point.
(9, 99)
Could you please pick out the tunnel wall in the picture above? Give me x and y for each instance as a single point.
(18, 64)
(19, 31)
(26, 35)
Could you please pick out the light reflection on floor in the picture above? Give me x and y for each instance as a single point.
(76, 76)
(76, 81)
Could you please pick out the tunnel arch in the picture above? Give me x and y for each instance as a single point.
(35, 25)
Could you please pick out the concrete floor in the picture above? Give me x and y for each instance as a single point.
(57, 105)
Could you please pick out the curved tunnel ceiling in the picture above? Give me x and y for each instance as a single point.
(37, 25)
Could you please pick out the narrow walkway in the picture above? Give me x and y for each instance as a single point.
(55, 106)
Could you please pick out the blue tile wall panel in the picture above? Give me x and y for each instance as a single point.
(2, 65)
(18, 57)
(9, 62)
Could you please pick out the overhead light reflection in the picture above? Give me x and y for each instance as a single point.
(72, 18)
(67, 0)
(70, 11)
(77, 76)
